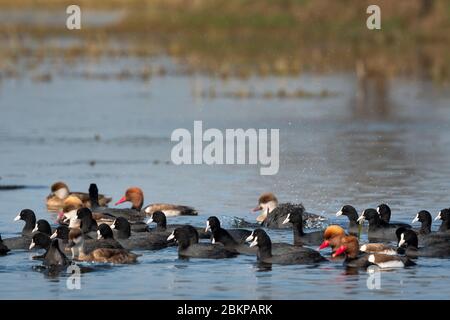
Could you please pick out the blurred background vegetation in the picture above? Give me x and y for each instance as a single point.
(236, 38)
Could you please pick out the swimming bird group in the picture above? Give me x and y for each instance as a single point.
(87, 230)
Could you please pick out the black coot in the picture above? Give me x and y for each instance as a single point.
(444, 215)
(384, 212)
(184, 236)
(260, 239)
(43, 226)
(40, 241)
(301, 238)
(159, 218)
(352, 215)
(61, 232)
(426, 236)
(213, 225)
(29, 217)
(55, 257)
(88, 225)
(154, 240)
(220, 235)
(22, 242)
(410, 241)
(378, 231)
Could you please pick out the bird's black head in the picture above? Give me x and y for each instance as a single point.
(408, 238)
(184, 236)
(62, 232)
(83, 213)
(104, 232)
(123, 227)
(399, 231)
(159, 218)
(348, 211)
(385, 212)
(445, 214)
(43, 226)
(294, 218)
(370, 215)
(40, 240)
(212, 223)
(26, 215)
(259, 238)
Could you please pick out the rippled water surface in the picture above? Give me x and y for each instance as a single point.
(333, 151)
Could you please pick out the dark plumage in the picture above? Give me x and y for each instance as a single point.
(153, 240)
(410, 241)
(187, 248)
(3, 248)
(300, 237)
(302, 255)
(384, 211)
(444, 215)
(159, 218)
(378, 231)
(273, 214)
(43, 226)
(22, 242)
(352, 215)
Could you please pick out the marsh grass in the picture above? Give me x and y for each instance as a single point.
(240, 38)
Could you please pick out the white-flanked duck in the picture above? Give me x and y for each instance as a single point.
(356, 259)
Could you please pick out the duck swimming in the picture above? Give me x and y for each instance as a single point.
(159, 218)
(300, 237)
(23, 241)
(352, 215)
(98, 250)
(132, 214)
(60, 192)
(444, 215)
(213, 225)
(273, 214)
(136, 197)
(384, 212)
(187, 248)
(153, 240)
(378, 231)
(332, 237)
(410, 241)
(260, 239)
(355, 259)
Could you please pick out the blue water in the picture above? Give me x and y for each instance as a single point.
(332, 152)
